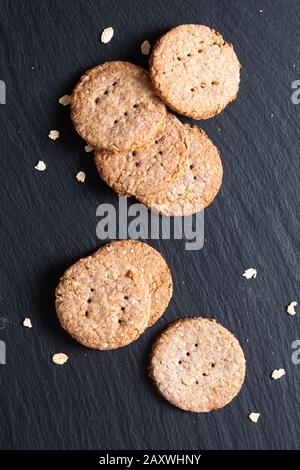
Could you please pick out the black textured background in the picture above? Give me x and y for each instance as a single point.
(104, 400)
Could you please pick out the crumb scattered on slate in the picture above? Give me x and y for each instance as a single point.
(59, 358)
(65, 100)
(249, 273)
(145, 47)
(277, 374)
(41, 166)
(81, 176)
(291, 308)
(27, 322)
(88, 148)
(53, 135)
(254, 417)
(107, 35)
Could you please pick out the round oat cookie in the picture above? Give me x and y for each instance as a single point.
(194, 71)
(145, 171)
(115, 107)
(149, 262)
(199, 183)
(103, 304)
(197, 365)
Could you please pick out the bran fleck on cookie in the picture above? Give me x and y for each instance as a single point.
(194, 71)
(199, 183)
(115, 107)
(103, 304)
(149, 262)
(145, 171)
(197, 365)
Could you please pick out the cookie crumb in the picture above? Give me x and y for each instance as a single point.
(277, 373)
(59, 358)
(291, 308)
(65, 100)
(249, 273)
(88, 148)
(27, 322)
(53, 135)
(81, 176)
(107, 35)
(41, 166)
(254, 417)
(145, 47)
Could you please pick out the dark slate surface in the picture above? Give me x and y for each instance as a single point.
(104, 400)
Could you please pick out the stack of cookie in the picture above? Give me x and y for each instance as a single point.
(141, 149)
(108, 299)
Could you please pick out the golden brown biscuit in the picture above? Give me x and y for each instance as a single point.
(145, 171)
(149, 262)
(194, 71)
(199, 183)
(115, 107)
(197, 365)
(103, 303)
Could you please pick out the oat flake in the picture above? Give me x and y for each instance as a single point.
(27, 322)
(81, 176)
(88, 148)
(53, 135)
(41, 166)
(254, 417)
(145, 47)
(107, 35)
(249, 273)
(291, 308)
(59, 358)
(278, 373)
(65, 100)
